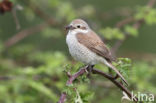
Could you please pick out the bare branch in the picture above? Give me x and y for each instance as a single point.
(70, 81)
(63, 97)
(24, 33)
(118, 84)
(18, 26)
(73, 77)
(123, 22)
(136, 25)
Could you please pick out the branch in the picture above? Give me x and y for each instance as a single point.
(32, 30)
(96, 71)
(24, 33)
(125, 21)
(5, 78)
(70, 81)
(137, 25)
(73, 77)
(63, 97)
(118, 84)
(14, 10)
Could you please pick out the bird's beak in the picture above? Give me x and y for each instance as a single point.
(68, 27)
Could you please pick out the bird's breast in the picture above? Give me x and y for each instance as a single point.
(79, 51)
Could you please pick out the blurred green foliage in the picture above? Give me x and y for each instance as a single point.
(112, 33)
(33, 70)
(149, 14)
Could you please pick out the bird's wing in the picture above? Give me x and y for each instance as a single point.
(93, 42)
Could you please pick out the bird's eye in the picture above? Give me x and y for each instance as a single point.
(78, 26)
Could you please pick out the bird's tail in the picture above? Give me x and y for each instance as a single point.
(119, 74)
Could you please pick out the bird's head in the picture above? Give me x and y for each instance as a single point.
(78, 25)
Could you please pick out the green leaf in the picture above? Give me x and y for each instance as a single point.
(51, 32)
(146, 13)
(65, 10)
(87, 96)
(53, 3)
(112, 33)
(131, 30)
(87, 10)
(150, 18)
(123, 64)
(141, 12)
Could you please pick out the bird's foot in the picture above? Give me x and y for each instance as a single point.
(89, 69)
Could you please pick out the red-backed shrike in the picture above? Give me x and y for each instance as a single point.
(86, 46)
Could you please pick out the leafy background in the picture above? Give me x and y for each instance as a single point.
(33, 69)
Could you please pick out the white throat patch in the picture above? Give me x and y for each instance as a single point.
(78, 31)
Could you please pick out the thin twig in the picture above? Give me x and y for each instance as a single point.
(73, 77)
(18, 26)
(125, 21)
(70, 81)
(118, 84)
(21, 35)
(63, 97)
(32, 30)
(136, 25)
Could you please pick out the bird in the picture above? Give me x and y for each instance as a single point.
(87, 47)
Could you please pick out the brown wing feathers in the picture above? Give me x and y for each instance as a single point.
(95, 44)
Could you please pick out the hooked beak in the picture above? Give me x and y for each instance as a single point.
(69, 27)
